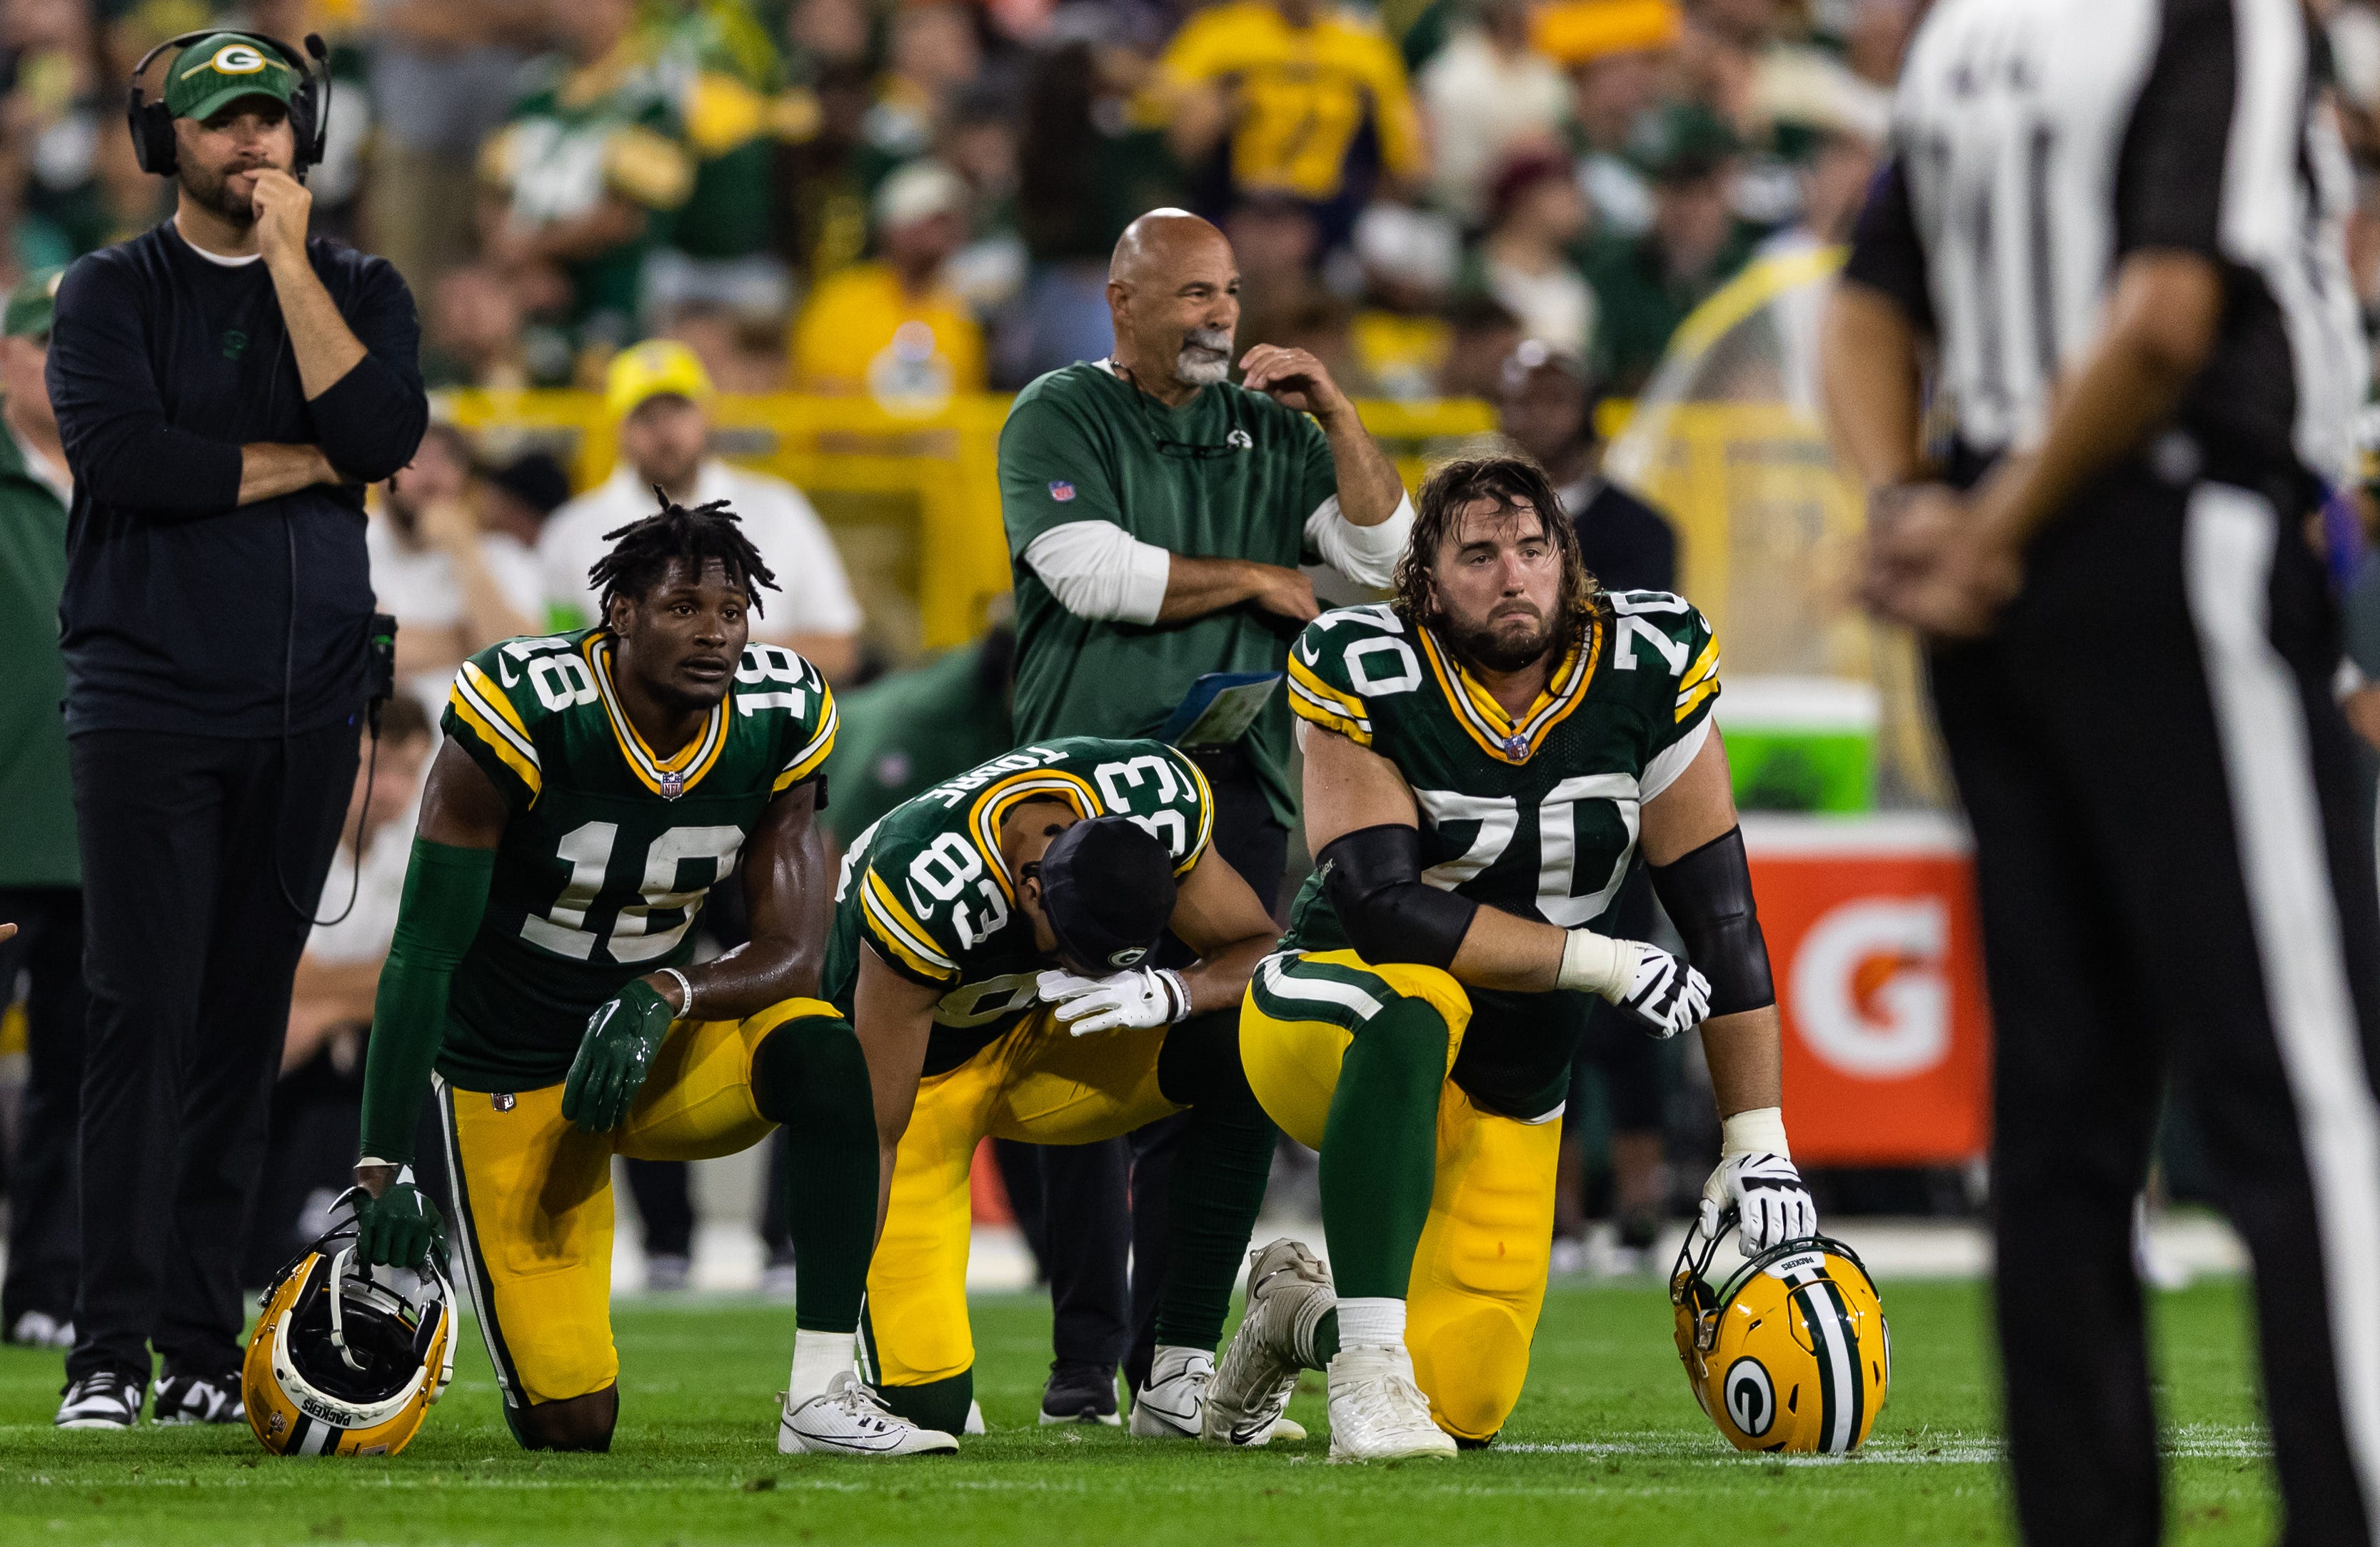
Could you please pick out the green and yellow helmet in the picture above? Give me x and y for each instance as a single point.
(346, 1360)
(1792, 1353)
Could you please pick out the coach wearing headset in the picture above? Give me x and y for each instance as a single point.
(225, 389)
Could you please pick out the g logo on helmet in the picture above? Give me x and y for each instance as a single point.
(1127, 956)
(1751, 1400)
(237, 59)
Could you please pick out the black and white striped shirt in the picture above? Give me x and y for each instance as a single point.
(2039, 142)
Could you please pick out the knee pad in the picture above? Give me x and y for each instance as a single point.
(810, 1070)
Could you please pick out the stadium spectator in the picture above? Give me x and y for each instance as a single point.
(1286, 89)
(1546, 403)
(1616, 52)
(1537, 213)
(1480, 337)
(442, 74)
(453, 586)
(40, 874)
(660, 396)
(519, 494)
(1490, 96)
(892, 327)
(475, 337)
(727, 82)
(742, 352)
(931, 55)
(1401, 337)
(52, 122)
(589, 162)
(1645, 285)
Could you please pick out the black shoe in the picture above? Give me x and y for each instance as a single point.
(197, 1399)
(1080, 1392)
(110, 1399)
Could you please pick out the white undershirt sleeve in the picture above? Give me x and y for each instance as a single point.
(1096, 569)
(1671, 761)
(1366, 555)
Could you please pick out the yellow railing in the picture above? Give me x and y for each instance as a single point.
(913, 501)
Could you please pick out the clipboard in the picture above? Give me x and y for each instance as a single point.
(1218, 710)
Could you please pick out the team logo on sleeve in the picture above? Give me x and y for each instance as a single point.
(1240, 440)
(1060, 491)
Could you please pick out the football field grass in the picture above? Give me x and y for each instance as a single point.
(1606, 1447)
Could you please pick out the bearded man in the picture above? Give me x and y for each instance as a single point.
(225, 385)
(1157, 517)
(1483, 758)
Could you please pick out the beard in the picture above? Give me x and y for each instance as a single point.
(1205, 358)
(213, 191)
(1497, 644)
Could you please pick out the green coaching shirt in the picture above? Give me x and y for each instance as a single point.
(1229, 474)
(37, 821)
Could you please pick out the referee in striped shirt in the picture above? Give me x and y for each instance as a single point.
(2110, 228)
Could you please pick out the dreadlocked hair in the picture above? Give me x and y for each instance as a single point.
(642, 550)
(1510, 482)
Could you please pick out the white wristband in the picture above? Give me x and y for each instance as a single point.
(1180, 991)
(1592, 962)
(685, 986)
(1759, 1131)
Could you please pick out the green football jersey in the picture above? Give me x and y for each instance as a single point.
(927, 890)
(611, 849)
(1229, 474)
(1536, 816)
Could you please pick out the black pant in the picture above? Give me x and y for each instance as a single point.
(2174, 879)
(42, 1186)
(1099, 1200)
(187, 844)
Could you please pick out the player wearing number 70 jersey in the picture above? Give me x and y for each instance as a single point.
(1482, 759)
(1001, 943)
(593, 788)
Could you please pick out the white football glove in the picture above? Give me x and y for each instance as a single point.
(1771, 1205)
(1664, 994)
(1132, 1000)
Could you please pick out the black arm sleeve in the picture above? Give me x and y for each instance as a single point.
(1885, 253)
(1708, 897)
(369, 421)
(1373, 876)
(111, 416)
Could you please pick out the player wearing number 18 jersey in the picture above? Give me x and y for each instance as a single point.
(1482, 761)
(989, 944)
(593, 788)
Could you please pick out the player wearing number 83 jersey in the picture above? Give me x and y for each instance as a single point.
(993, 945)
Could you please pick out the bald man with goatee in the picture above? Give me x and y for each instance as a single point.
(1158, 514)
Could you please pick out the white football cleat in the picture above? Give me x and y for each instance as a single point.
(1376, 1412)
(849, 1419)
(1289, 1291)
(1169, 1406)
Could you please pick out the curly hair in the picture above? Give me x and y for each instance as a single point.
(642, 550)
(1513, 482)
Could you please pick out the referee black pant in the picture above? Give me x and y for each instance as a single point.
(2174, 883)
(190, 945)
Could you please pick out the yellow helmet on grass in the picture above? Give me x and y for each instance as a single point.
(1792, 1353)
(346, 1360)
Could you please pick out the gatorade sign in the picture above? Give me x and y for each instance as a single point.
(1879, 963)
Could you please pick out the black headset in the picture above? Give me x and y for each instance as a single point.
(151, 123)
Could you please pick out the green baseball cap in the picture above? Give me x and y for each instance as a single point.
(216, 71)
(30, 305)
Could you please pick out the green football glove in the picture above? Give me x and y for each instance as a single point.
(614, 1057)
(401, 1227)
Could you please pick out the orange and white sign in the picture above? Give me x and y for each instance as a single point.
(1878, 960)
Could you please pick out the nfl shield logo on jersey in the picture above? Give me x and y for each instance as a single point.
(1060, 491)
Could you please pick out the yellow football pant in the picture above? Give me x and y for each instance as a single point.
(1039, 1083)
(1479, 1275)
(532, 1196)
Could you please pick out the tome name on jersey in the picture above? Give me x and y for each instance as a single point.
(1534, 814)
(927, 890)
(611, 848)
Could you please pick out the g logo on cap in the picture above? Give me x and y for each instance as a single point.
(234, 59)
(1126, 957)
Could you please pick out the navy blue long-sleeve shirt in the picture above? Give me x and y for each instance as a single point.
(163, 363)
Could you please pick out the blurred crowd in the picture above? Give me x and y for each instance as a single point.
(917, 198)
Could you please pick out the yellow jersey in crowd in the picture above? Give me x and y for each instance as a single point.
(861, 332)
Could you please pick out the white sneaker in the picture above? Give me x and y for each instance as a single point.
(1169, 1406)
(1376, 1412)
(849, 1419)
(107, 1400)
(1289, 1291)
(39, 1329)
